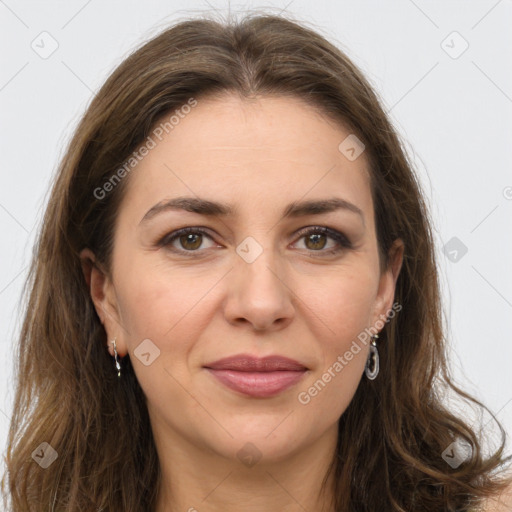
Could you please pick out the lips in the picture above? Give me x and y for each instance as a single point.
(248, 363)
(257, 377)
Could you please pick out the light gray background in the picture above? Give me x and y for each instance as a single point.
(453, 109)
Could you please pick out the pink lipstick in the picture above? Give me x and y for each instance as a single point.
(257, 377)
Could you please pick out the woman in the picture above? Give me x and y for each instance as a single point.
(234, 302)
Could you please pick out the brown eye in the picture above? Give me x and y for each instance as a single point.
(315, 239)
(186, 240)
(190, 241)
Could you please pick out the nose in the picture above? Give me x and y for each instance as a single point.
(258, 294)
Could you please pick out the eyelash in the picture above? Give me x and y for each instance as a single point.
(343, 241)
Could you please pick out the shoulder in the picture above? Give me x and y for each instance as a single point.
(501, 503)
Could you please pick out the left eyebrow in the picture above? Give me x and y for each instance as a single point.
(212, 208)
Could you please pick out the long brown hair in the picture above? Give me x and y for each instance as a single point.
(392, 435)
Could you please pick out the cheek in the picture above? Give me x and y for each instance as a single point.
(159, 319)
(344, 306)
(147, 308)
(172, 311)
(333, 390)
(333, 384)
(155, 301)
(345, 309)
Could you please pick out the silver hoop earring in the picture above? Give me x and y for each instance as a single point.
(118, 366)
(372, 364)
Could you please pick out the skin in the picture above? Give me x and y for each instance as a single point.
(259, 156)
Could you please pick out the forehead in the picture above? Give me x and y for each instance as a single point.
(277, 149)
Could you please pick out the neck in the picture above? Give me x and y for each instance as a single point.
(200, 480)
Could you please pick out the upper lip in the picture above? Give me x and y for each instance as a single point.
(248, 363)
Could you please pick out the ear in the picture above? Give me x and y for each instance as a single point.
(102, 291)
(387, 283)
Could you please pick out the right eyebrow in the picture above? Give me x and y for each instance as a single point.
(213, 208)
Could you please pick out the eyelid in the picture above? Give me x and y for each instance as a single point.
(343, 242)
(335, 234)
(168, 238)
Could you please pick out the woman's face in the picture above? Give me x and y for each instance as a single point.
(252, 282)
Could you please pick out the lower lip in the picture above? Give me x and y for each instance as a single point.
(258, 384)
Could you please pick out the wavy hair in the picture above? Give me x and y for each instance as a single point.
(393, 433)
